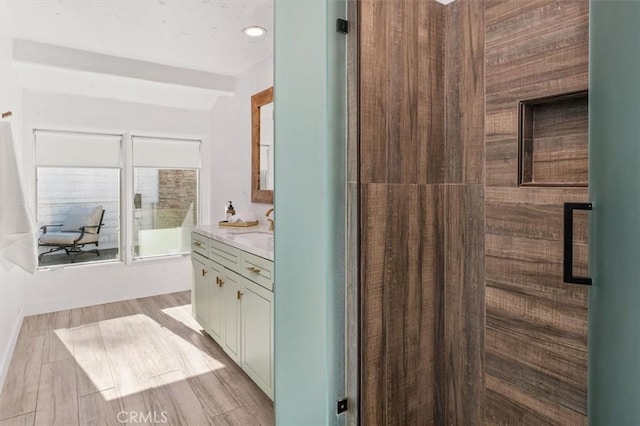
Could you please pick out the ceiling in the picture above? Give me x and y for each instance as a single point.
(204, 35)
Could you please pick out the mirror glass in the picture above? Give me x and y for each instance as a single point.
(262, 147)
(266, 146)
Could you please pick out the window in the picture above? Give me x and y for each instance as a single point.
(165, 201)
(165, 209)
(81, 173)
(77, 173)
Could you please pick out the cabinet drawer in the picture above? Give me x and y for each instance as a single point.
(257, 269)
(224, 254)
(199, 244)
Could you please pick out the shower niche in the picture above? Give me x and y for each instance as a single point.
(553, 140)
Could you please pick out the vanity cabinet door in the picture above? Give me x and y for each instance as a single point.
(200, 292)
(216, 303)
(232, 294)
(257, 335)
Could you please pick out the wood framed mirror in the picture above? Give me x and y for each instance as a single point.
(262, 147)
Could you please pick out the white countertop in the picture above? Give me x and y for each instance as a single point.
(261, 245)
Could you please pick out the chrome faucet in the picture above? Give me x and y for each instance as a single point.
(272, 222)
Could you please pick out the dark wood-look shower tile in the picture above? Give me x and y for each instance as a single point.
(546, 357)
(464, 88)
(507, 404)
(402, 296)
(535, 41)
(464, 304)
(533, 49)
(540, 319)
(401, 109)
(502, 121)
(535, 356)
(501, 165)
(351, 301)
(535, 213)
(536, 325)
(529, 261)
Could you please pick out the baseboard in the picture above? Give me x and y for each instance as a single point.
(61, 304)
(8, 352)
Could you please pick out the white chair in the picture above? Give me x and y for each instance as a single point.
(81, 227)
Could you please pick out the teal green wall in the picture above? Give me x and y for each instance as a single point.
(614, 300)
(310, 146)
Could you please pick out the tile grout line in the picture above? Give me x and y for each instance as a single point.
(35, 416)
(104, 346)
(20, 415)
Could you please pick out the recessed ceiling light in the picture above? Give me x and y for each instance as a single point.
(254, 31)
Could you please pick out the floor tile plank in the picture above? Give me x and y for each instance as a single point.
(35, 325)
(100, 409)
(20, 392)
(58, 343)
(238, 417)
(57, 396)
(22, 420)
(178, 401)
(93, 373)
(195, 365)
(87, 315)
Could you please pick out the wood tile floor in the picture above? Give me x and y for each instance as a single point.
(142, 361)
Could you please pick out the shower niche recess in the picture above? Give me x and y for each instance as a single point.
(553, 140)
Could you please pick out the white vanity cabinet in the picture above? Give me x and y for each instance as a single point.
(257, 335)
(232, 288)
(200, 290)
(233, 301)
(215, 303)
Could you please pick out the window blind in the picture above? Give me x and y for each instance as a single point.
(62, 149)
(166, 153)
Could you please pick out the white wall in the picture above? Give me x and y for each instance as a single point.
(231, 145)
(225, 175)
(12, 278)
(82, 285)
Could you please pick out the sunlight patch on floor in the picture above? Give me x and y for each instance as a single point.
(137, 352)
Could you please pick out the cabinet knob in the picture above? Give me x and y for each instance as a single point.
(204, 272)
(197, 243)
(221, 282)
(253, 269)
(240, 294)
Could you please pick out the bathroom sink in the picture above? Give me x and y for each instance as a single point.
(258, 239)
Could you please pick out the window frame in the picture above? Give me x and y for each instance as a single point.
(126, 247)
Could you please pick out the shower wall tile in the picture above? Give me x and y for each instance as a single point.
(422, 303)
(535, 338)
(422, 211)
(464, 92)
(534, 49)
(402, 272)
(401, 91)
(463, 223)
(352, 303)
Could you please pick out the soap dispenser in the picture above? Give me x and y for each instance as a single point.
(230, 211)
